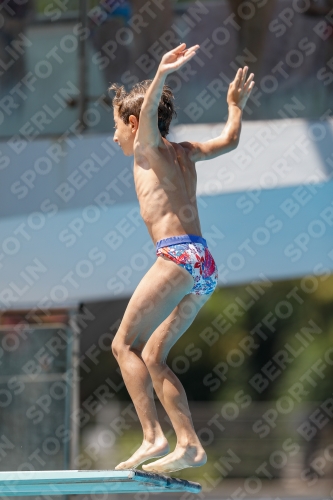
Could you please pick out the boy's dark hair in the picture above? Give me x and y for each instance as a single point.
(130, 103)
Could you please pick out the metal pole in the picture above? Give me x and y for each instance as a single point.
(83, 11)
(75, 402)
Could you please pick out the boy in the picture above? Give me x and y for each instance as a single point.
(184, 275)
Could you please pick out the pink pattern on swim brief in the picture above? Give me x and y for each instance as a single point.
(198, 261)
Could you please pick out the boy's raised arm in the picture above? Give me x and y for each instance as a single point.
(238, 94)
(148, 132)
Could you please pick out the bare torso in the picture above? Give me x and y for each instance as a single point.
(165, 182)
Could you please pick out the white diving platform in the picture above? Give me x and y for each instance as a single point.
(76, 482)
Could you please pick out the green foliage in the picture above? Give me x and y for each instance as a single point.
(291, 327)
(41, 5)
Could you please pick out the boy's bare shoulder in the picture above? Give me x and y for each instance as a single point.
(185, 145)
(184, 148)
(185, 151)
(168, 151)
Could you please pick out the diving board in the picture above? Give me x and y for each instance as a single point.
(76, 482)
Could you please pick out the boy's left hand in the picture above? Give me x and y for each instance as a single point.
(240, 89)
(175, 58)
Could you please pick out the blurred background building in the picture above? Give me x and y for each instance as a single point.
(257, 362)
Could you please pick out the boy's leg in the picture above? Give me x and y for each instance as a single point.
(188, 452)
(156, 296)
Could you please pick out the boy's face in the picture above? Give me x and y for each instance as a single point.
(125, 134)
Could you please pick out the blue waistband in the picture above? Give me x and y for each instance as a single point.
(183, 238)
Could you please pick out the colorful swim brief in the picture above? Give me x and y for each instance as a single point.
(191, 252)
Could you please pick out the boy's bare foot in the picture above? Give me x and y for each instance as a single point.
(180, 458)
(145, 452)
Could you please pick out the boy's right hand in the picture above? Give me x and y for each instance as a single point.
(239, 90)
(175, 58)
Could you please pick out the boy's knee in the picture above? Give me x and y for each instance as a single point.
(114, 348)
(117, 347)
(150, 358)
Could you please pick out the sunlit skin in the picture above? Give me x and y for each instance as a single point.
(165, 181)
(124, 134)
